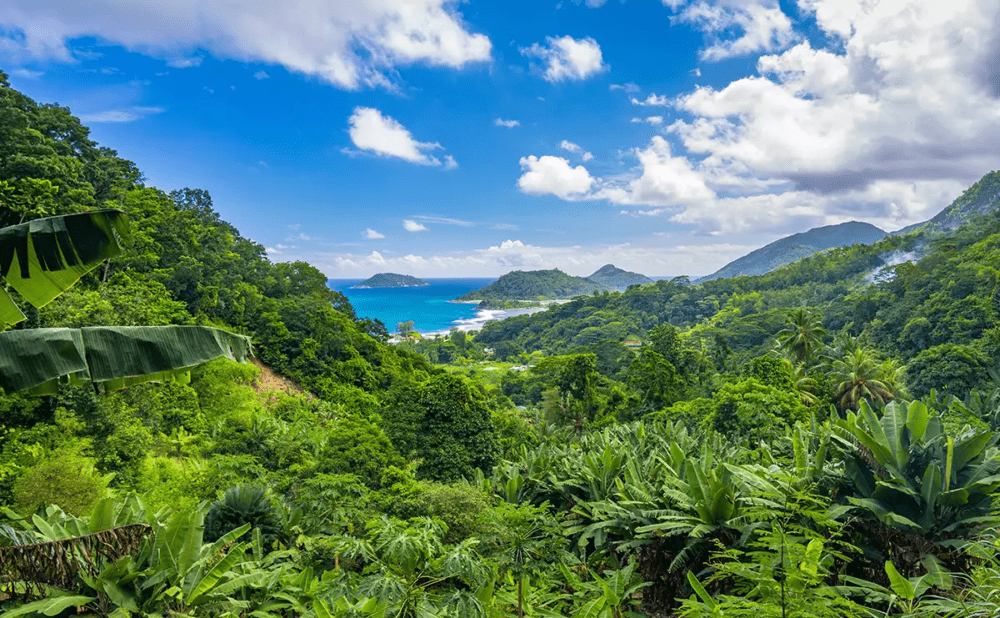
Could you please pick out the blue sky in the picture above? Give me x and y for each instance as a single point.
(440, 138)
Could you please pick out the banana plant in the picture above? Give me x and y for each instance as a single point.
(907, 473)
(40, 260)
(410, 569)
(187, 573)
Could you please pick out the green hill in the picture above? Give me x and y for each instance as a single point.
(390, 280)
(612, 276)
(534, 285)
(797, 246)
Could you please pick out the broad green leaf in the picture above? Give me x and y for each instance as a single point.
(894, 428)
(899, 584)
(929, 491)
(102, 516)
(112, 356)
(917, 417)
(593, 609)
(936, 576)
(9, 311)
(814, 550)
(700, 591)
(970, 448)
(43, 258)
(218, 571)
(52, 606)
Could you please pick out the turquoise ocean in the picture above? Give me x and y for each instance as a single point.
(427, 305)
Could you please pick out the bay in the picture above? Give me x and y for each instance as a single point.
(427, 305)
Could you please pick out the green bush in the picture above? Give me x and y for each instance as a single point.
(64, 477)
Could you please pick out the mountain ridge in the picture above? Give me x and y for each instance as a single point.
(797, 246)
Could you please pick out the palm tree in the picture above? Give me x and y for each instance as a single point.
(860, 377)
(802, 335)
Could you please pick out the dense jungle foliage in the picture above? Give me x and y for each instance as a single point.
(820, 441)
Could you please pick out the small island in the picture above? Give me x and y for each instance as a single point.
(390, 280)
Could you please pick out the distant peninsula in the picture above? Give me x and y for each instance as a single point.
(534, 285)
(390, 280)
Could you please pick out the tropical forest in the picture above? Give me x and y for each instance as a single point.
(190, 429)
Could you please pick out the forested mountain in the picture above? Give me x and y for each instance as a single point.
(797, 246)
(534, 285)
(982, 197)
(391, 280)
(814, 442)
(614, 277)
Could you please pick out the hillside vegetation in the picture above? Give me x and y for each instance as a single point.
(534, 285)
(816, 442)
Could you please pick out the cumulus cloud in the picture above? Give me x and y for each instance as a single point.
(510, 124)
(571, 147)
(888, 123)
(412, 226)
(760, 25)
(567, 58)
(384, 136)
(655, 120)
(899, 101)
(548, 175)
(348, 44)
(652, 99)
(371, 234)
(261, 75)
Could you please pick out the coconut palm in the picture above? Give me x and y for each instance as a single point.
(803, 334)
(859, 377)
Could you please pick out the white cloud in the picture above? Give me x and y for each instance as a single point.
(887, 124)
(130, 115)
(567, 58)
(27, 73)
(655, 120)
(371, 234)
(898, 101)
(554, 176)
(412, 226)
(652, 99)
(450, 163)
(444, 220)
(348, 44)
(761, 25)
(384, 136)
(510, 124)
(629, 88)
(666, 180)
(261, 75)
(571, 147)
(674, 255)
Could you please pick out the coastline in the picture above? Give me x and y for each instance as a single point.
(482, 317)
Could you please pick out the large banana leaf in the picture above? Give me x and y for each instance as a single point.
(41, 259)
(38, 360)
